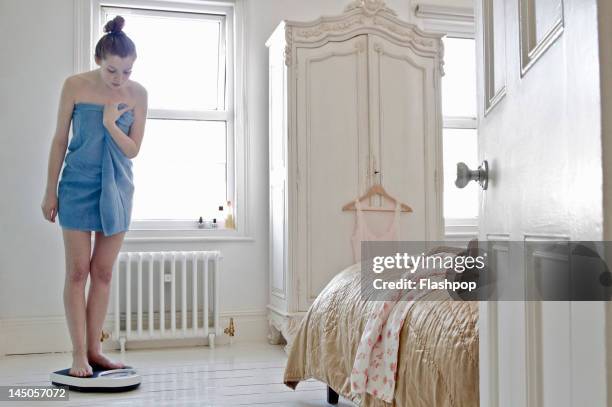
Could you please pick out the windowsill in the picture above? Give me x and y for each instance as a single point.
(185, 235)
(461, 228)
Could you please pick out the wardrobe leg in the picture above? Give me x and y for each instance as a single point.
(332, 396)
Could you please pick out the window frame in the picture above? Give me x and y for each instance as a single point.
(88, 25)
(225, 115)
(460, 228)
(453, 22)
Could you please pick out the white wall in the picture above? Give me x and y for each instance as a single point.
(37, 54)
(36, 51)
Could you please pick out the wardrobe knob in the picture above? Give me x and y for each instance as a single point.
(465, 175)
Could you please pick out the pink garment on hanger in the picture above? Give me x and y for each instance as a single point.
(363, 233)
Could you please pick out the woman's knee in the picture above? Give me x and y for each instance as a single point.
(77, 272)
(101, 272)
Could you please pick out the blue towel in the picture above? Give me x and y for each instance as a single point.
(96, 189)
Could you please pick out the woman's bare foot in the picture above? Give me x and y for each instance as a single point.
(99, 359)
(80, 366)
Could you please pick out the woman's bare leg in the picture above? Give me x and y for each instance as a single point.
(77, 247)
(106, 249)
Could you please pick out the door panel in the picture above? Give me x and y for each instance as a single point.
(493, 36)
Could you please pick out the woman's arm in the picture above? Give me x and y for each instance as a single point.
(129, 144)
(58, 149)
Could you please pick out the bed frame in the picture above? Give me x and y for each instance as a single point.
(332, 396)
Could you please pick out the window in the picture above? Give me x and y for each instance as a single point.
(185, 167)
(460, 141)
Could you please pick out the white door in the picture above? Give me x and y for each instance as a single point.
(539, 131)
(332, 151)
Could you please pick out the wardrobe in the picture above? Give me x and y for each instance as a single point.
(354, 99)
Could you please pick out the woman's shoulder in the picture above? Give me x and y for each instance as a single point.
(137, 89)
(138, 92)
(77, 83)
(81, 79)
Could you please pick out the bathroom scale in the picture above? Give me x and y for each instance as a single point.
(102, 380)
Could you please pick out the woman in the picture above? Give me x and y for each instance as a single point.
(95, 191)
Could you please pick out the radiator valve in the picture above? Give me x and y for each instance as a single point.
(105, 335)
(230, 330)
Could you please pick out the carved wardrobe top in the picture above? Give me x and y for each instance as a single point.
(360, 17)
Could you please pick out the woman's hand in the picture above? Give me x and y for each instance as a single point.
(49, 206)
(112, 113)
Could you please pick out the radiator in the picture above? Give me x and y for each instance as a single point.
(145, 283)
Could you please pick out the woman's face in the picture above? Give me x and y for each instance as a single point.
(115, 71)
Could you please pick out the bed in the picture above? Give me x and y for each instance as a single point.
(438, 347)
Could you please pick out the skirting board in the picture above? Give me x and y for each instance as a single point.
(50, 334)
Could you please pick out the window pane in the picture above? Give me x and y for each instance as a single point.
(460, 145)
(180, 171)
(178, 59)
(459, 80)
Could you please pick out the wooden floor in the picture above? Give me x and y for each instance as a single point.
(237, 375)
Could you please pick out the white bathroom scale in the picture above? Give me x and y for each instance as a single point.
(102, 380)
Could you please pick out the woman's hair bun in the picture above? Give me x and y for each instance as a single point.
(115, 41)
(115, 25)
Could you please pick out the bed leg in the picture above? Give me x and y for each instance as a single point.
(332, 396)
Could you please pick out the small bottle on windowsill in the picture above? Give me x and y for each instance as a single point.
(221, 218)
(229, 217)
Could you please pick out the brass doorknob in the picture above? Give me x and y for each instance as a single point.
(230, 330)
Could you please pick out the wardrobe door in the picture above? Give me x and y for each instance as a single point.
(332, 156)
(406, 127)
